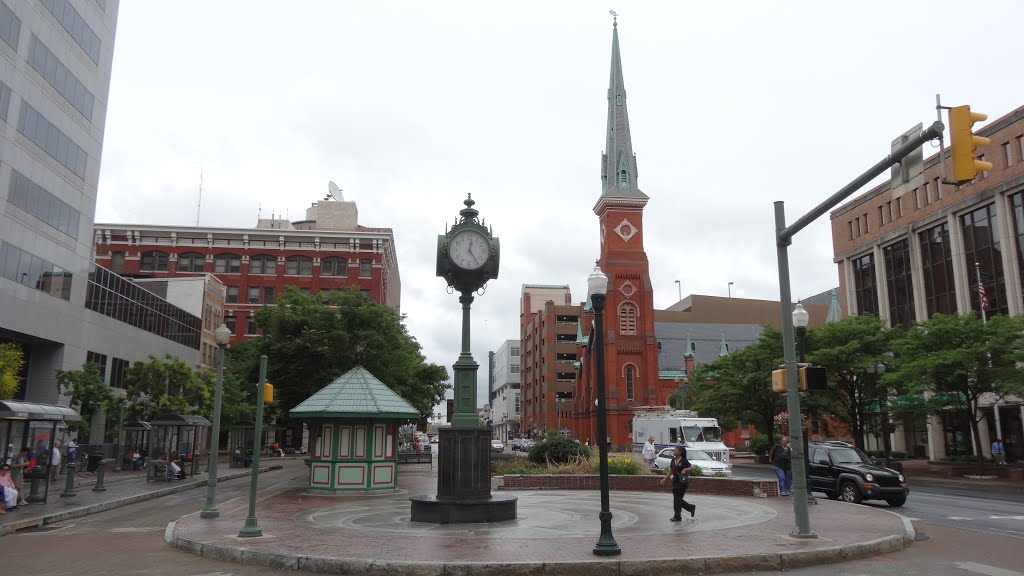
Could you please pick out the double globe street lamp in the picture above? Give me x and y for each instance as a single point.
(222, 335)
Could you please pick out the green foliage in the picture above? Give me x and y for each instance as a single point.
(557, 450)
(11, 361)
(760, 444)
(697, 471)
(310, 341)
(719, 475)
(850, 351)
(738, 386)
(167, 385)
(85, 388)
(623, 465)
(949, 362)
(515, 466)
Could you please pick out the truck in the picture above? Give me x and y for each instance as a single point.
(671, 427)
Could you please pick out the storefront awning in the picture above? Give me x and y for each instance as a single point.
(12, 410)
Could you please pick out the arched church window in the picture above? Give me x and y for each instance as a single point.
(622, 177)
(630, 382)
(627, 319)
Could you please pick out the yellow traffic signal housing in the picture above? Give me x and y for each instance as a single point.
(268, 393)
(811, 377)
(779, 381)
(963, 143)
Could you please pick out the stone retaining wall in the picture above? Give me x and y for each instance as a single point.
(644, 483)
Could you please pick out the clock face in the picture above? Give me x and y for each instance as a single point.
(469, 250)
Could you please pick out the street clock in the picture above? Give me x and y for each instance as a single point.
(467, 255)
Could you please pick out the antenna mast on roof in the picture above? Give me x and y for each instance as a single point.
(199, 205)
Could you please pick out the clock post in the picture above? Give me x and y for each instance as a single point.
(467, 258)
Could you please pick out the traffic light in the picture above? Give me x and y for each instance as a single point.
(812, 378)
(963, 143)
(268, 393)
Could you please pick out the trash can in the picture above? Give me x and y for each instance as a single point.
(95, 460)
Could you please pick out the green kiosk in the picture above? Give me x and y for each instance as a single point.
(353, 422)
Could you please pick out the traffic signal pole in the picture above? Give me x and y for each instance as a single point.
(783, 238)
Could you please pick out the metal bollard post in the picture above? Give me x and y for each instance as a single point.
(69, 486)
(100, 472)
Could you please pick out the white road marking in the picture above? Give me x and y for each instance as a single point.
(914, 519)
(1006, 517)
(986, 569)
(137, 529)
(957, 518)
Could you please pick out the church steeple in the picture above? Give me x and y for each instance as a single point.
(618, 163)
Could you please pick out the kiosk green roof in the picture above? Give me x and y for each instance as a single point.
(355, 394)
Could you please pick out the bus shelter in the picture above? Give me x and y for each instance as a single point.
(240, 437)
(136, 439)
(35, 426)
(179, 437)
(353, 423)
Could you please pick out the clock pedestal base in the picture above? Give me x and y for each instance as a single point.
(463, 482)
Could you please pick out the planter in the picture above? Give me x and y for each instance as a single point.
(642, 483)
(761, 459)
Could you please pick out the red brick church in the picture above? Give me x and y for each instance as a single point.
(630, 345)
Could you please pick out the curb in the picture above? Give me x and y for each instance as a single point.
(117, 503)
(708, 564)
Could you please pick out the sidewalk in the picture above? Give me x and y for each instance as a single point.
(554, 533)
(122, 489)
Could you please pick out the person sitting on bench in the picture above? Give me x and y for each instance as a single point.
(174, 471)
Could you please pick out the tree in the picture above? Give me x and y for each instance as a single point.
(850, 351)
(739, 386)
(310, 341)
(85, 388)
(167, 385)
(11, 361)
(952, 362)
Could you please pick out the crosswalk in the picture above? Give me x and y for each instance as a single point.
(986, 570)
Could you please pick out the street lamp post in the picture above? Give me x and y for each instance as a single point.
(251, 529)
(800, 320)
(120, 394)
(597, 285)
(679, 287)
(222, 335)
(730, 289)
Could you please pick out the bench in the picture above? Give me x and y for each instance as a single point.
(416, 458)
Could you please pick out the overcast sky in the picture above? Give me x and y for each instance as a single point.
(409, 106)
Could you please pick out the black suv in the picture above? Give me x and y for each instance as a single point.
(841, 471)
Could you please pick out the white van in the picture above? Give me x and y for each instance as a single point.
(672, 427)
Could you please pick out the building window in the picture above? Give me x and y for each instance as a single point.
(927, 193)
(5, 98)
(881, 218)
(40, 203)
(337, 267)
(232, 323)
(227, 264)
(10, 26)
(899, 207)
(627, 319)
(253, 295)
(981, 246)
(365, 268)
(630, 382)
(117, 369)
(1020, 148)
(865, 218)
(937, 185)
(513, 369)
(937, 269)
(1007, 154)
(100, 360)
(622, 177)
(153, 261)
(851, 229)
(263, 265)
(51, 140)
(1017, 202)
(269, 295)
(917, 200)
(232, 295)
(76, 26)
(57, 75)
(298, 266)
(514, 351)
(899, 283)
(305, 291)
(864, 284)
(984, 173)
(856, 226)
(250, 326)
(191, 262)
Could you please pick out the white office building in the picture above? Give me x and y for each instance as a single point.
(504, 390)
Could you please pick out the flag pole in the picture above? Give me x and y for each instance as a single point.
(981, 293)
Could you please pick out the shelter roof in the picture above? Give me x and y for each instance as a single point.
(355, 394)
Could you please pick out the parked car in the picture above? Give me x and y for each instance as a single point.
(707, 464)
(497, 446)
(843, 472)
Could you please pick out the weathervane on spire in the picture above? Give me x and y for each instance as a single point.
(615, 18)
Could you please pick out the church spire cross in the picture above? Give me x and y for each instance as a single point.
(618, 163)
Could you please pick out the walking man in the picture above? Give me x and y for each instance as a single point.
(55, 461)
(998, 451)
(649, 452)
(781, 458)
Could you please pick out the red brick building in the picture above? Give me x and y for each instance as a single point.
(328, 250)
(549, 323)
(630, 345)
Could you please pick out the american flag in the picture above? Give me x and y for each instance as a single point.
(984, 298)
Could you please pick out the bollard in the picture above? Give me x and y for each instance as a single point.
(69, 486)
(99, 477)
(35, 494)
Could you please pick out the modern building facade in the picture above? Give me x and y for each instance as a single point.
(55, 62)
(201, 296)
(914, 247)
(549, 322)
(504, 390)
(328, 250)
